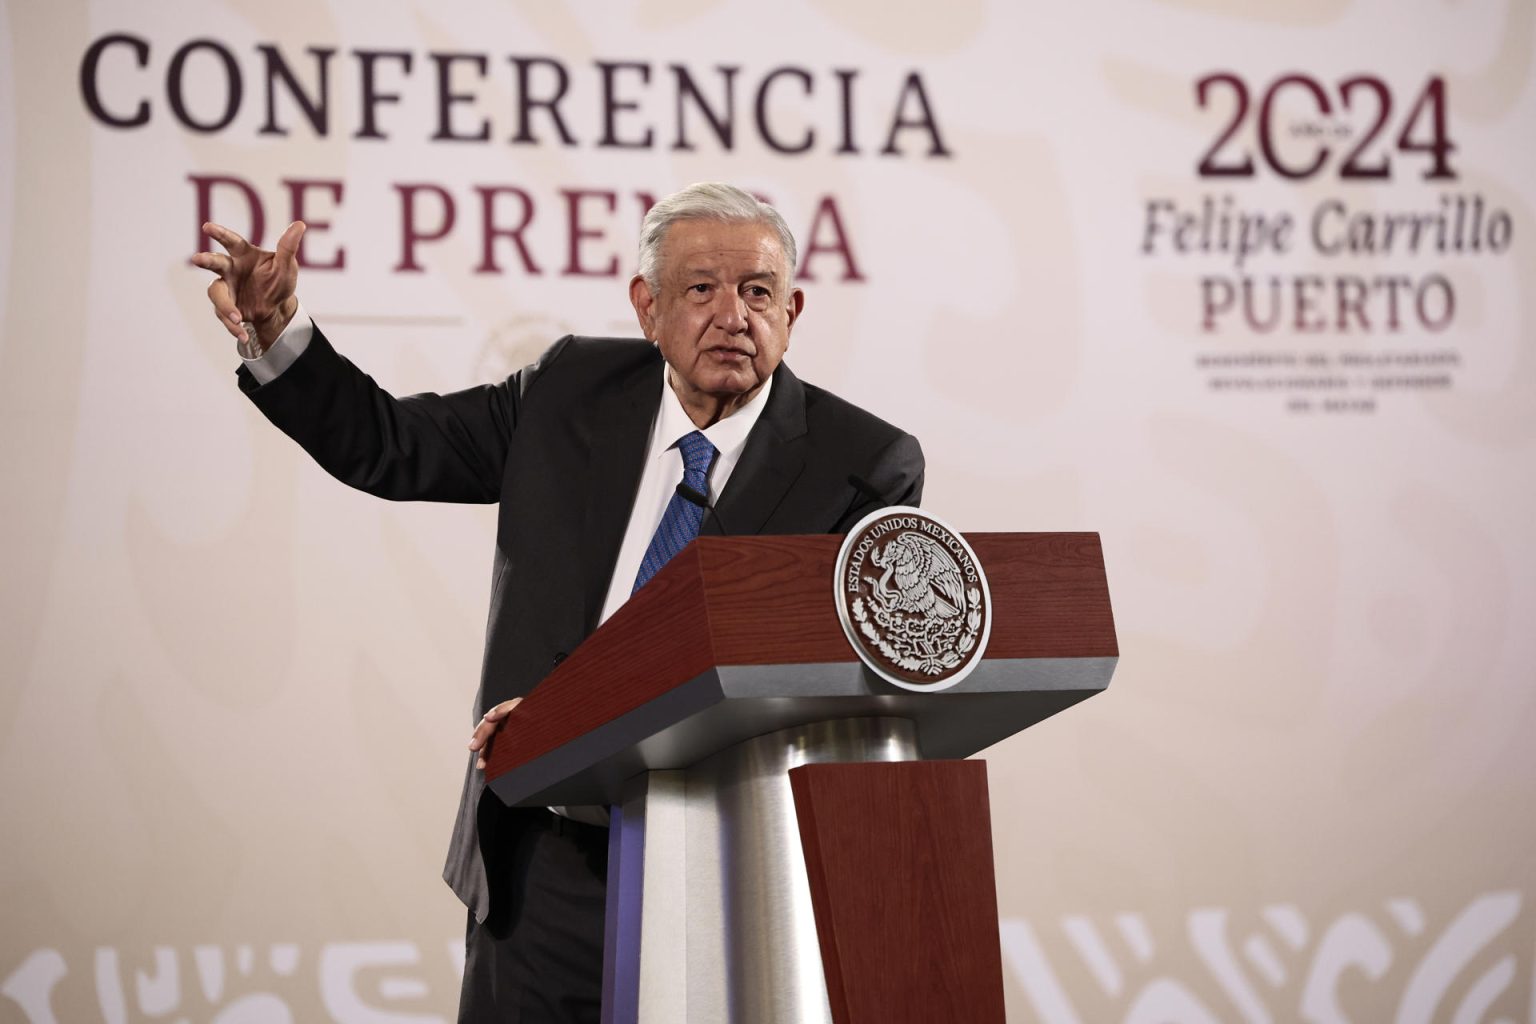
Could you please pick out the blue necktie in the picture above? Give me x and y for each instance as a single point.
(680, 522)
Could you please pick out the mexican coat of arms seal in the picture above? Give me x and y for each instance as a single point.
(913, 599)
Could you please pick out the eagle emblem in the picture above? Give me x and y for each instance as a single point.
(927, 578)
(913, 599)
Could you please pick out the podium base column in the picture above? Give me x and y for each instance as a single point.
(709, 907)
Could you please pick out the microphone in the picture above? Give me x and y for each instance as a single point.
(693, 497)
(869, 490)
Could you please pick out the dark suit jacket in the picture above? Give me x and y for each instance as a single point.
(560, 445)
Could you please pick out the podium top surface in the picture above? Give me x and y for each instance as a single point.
(739, 636)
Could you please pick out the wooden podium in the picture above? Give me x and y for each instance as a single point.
(794, 839)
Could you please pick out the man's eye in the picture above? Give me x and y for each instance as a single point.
(699, 289)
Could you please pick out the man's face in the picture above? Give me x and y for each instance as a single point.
(722, 313)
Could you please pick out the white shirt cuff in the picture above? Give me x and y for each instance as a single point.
(282, 352)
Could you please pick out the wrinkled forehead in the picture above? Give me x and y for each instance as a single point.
(737, 248)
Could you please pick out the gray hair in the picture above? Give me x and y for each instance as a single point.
(706, 200)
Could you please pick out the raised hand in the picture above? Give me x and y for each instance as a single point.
(254, 285)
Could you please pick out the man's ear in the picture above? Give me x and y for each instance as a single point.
(644, 301)
(796, 305)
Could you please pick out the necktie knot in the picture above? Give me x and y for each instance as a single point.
(697, 452)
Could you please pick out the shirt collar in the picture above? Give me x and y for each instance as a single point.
(728, 434)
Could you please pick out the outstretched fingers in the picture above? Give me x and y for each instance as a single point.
(214, 261)
(224, 266)
(224, 308)
(232, 242)
(288, 244)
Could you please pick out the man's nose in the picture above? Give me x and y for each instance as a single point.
(730, 312)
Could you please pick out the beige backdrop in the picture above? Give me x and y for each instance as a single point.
(235, 694)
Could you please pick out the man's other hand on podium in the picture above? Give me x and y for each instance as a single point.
(485, 732)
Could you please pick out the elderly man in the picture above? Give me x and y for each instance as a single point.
(584, 450)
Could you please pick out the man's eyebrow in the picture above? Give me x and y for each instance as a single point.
(714, 275)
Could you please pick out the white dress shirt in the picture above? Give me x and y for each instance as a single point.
(282, 352)
(664, 471)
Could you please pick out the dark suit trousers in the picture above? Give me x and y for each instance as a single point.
(538, 957)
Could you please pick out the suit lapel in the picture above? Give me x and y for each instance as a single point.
(770, 463)
(620, 433)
